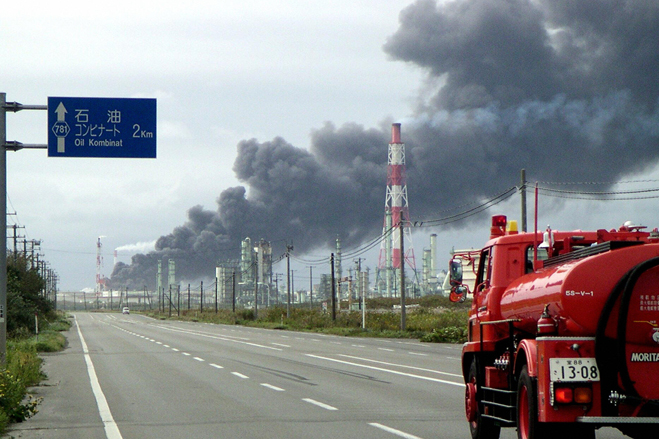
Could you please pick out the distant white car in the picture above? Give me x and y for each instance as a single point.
(126, 310)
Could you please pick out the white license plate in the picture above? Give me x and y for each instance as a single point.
(573, 369)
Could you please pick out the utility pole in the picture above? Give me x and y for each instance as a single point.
(288, 281)
(256, 291)
(310, 287)
(233, 294)
(333, 288)
(402, 274)
(277, 287)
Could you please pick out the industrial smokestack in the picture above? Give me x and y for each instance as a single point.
(395, 133)
(433, 255)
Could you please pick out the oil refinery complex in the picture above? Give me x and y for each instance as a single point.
(251, 280)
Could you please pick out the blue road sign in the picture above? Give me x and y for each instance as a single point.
(101, 127)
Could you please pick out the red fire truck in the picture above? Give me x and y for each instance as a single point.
(563, 333)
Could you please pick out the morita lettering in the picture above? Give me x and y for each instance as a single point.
(645, 357)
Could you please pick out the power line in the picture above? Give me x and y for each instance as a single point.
(470, 212)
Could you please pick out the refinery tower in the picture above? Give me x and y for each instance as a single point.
(396, 215)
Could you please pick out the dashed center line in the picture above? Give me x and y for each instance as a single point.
(322, 405)
(394, 431)
(319, 404)
(270, 386)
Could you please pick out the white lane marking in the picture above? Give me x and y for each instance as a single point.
(240, 375)
(186, 354)
(175, 350)
(385, 349)
(402, 365)
(158, 342)
(166, 345)
(387, 370)
(319, 404)
(200, 334)
(394, 431)
(453, 358)
(199, 359)
(358, 346)
(416, 353)
(111, 428)
(217, 366)
(282, 345)
(270, 386)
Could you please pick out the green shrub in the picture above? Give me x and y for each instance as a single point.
(23, 361)
(12, 393)
(451, 334)
(50, 341)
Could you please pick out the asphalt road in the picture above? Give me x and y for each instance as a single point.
(129, 376)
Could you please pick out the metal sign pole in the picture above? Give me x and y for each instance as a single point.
(3, 227)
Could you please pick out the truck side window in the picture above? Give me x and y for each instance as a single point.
(542, 255)
(484, 269)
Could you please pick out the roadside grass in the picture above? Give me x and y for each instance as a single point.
(429, 319)
(23, 370)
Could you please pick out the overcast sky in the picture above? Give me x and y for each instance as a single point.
(273, 73)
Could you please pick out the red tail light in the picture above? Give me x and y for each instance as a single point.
(573, 395)
(564, 395)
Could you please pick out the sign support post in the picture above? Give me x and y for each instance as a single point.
(4, 146)
(3, 227)
(100, 127)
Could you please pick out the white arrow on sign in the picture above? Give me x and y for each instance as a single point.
(61, 112)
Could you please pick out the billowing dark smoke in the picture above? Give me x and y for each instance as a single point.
(565, 89)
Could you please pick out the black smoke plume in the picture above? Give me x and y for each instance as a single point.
(567, 90)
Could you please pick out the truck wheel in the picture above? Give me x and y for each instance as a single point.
(527, 408)
(481, 428)
(528, 426)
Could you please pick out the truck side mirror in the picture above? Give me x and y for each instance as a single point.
(458, 293)
(455, 272)
(458, 289)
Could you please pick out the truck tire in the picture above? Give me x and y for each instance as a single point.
(481, 428)
(527, 408)
(528, 426)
